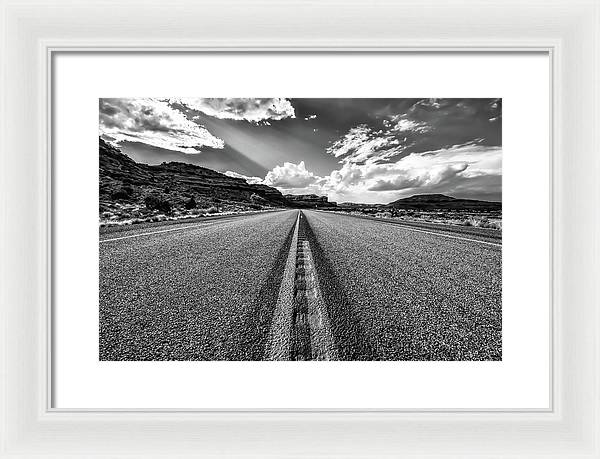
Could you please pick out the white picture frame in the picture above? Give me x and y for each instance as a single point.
(32, 31)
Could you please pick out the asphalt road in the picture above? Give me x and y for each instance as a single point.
(199, 291)
(484, 234)
(400, 293)
(208, 290)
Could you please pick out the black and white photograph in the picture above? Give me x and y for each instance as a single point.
(287, 229)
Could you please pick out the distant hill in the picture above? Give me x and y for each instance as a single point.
(443, 202)
(126, 183)
(357, 205)
(309, 200)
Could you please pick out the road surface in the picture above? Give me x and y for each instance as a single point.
(299, 285)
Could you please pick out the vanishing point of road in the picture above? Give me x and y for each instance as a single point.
(300, 285)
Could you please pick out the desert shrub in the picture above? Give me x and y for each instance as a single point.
(120, 194)
(485, 223)
(124, 193)
(496, 225)
(481, 223)
(154, 202)
(190, 203)
(165, 206)
(257, 198)
(212, 210)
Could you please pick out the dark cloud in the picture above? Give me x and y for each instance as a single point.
(453, 122)
(423, 125)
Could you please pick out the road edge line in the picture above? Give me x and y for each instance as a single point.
(449, 236)
(418, 230)
(180, 228)
(153, 232)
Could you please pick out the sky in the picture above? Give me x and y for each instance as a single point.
(350, 150)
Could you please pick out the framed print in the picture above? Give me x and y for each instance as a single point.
(439, 168)
(335, 230)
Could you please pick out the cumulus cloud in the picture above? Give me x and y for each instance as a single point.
(416, 178)
(465, 169)
(250, 180)
(421, 172)
(153, 122)
(248, 109)
(290, 176)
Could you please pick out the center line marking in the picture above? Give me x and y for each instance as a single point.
(301, 328)
(321, 339)
(279, 344)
